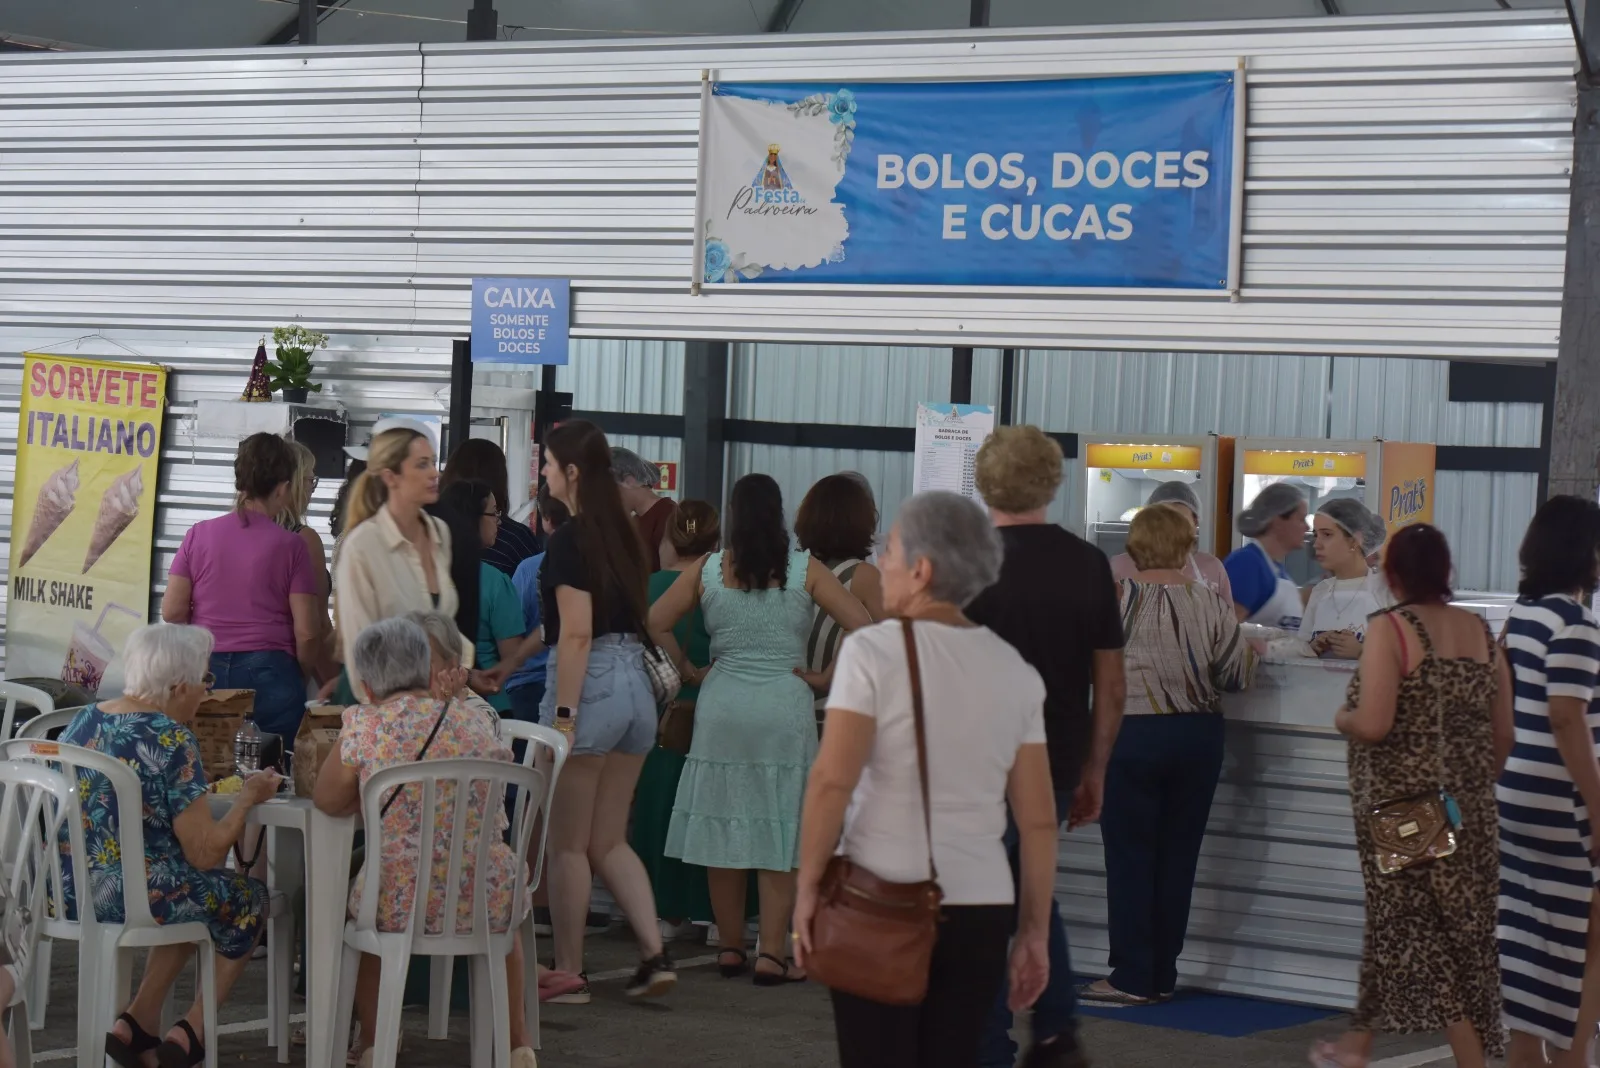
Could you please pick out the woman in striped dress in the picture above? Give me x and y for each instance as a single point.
(836, 524)
(1549, 937)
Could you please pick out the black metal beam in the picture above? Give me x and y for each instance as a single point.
(979, 14)
(783, 16)
(289, 33)
(1502, 383)
(308, 22)
(705, 417)
(483, 21)
(961, 375)
(1008, 386)
(1330, 7)
(1585, 34)
(1575, 432)
(460, 428)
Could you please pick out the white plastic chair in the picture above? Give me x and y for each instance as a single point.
(491, 1019)
(38, 803)
(540, 740)
(15, 694)
(106, 950)
(39, 996)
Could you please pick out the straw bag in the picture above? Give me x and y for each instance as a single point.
(871, 937)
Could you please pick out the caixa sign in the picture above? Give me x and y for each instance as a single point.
(520, 320)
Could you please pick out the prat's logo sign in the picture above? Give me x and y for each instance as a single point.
(1407, 499)
(1143, 457)
(1303, 463)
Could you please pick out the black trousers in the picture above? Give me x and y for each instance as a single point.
(969, 960)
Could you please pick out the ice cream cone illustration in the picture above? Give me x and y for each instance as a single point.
(118, 507)
(51, 508)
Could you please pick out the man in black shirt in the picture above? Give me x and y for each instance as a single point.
(1056, 603)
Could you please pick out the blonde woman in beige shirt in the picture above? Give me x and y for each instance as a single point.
(394, 557)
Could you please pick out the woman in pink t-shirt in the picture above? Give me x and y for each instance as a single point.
(251, 584)
(1201, 567)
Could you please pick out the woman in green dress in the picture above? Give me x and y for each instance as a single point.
(738, 803)
(680, 888)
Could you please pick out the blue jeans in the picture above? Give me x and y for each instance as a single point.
(1159, 785)
(1055, 1014)
(280, 688)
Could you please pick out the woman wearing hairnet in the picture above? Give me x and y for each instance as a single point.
(1345, 533)
(1200, 567)
(1263, 592)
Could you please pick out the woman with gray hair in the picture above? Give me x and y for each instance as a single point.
(403, 722)
(983, 716)
(1263, 592)
(637, 479)
(148, 728)
(1345, 534)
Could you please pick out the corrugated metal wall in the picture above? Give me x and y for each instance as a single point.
(1407, 184)
(1149, 393)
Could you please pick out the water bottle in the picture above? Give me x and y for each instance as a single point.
(247, 749)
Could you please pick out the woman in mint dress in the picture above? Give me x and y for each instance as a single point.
(680, 888)
(738, 800)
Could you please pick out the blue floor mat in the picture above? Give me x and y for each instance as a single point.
(1214, 1014)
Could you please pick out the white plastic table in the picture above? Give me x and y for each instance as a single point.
(322, 867)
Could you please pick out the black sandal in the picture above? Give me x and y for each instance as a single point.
(779, 979)
(732, 971)
(172, 1055)
(129, 1054)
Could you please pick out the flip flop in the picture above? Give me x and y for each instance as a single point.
(732, 971)
(556, 984)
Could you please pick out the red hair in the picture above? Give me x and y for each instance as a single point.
(1416, 564)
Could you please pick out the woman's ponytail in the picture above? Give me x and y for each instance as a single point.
(367, 495)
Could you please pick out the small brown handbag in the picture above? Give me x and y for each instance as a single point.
(871, 937)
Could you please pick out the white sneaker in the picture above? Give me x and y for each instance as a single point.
(674, 932)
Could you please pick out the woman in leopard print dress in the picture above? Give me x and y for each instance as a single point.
(1430, 707)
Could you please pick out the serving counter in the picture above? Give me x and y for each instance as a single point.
(1277, 907)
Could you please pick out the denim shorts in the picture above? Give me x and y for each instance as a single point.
(617, 712)
(280, 688)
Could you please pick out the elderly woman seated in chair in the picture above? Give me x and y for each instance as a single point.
(165, 677)
(401, 723)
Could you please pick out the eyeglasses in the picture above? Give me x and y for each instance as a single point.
(494, 514)
(315, 482)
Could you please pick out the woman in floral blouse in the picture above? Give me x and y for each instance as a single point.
(164, 666)
(391, 658)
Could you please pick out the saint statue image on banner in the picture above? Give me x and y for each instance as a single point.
(772, 175)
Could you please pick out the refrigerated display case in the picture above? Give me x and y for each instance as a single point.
(1121, 473)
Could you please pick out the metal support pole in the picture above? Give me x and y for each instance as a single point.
(1575, 430)
(979, 15)
(1008, 386)
(460, 428)
(705, 407)
(308, 22)
(961, 375)
(483, 22)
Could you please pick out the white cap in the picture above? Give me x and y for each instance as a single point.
(392, 422)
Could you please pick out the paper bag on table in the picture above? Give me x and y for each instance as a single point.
(319, 735)
(216, 722)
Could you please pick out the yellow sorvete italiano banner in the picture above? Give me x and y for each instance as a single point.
(82, 521)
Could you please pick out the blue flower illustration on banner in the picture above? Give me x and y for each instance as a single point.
(840, 107)
(718, 259)
(722, 264)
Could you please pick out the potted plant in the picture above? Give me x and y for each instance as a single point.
(290, 373)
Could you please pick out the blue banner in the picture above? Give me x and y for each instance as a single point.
(520, 320)
(1102, 182)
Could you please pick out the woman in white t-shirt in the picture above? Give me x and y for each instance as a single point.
(1335, 620)
(984, 718)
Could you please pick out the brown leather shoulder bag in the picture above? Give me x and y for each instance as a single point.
(871, 937)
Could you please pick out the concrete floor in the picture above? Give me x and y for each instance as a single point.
(709, 1021)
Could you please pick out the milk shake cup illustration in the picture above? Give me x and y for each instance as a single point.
(119, 505)
(51, 507)
(90, 653)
